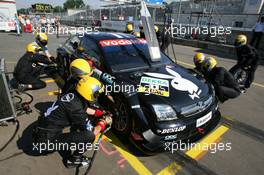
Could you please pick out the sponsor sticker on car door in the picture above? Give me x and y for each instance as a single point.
(121, 42)
(155, 86)
(204, 119)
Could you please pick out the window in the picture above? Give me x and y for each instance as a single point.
(253, 2)
(238, 24)
(130, 57)
(72, 44)
(90, 48)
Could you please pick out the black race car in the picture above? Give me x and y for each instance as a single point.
(155, 102)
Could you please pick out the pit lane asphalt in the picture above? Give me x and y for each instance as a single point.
(242, 126)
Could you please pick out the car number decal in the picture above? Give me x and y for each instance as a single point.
(154, 86)
(203, 120)
(179, 83)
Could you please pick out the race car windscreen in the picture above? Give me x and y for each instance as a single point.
(128, 54)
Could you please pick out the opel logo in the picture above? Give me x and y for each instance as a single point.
(200, 105)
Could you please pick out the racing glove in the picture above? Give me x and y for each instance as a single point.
(103, 123)
(100, 113)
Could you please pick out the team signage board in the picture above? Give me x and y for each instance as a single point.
(42, 7)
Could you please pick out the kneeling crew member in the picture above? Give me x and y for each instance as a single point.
(198, 61)
(79, 69)
(28, 70)
(223, 81)
(41, 40)
(74, 110)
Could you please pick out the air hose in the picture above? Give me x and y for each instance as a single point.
(24, 106)
(95, 152)
(13, 136)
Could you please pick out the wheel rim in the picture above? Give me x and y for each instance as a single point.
(121, 117)
(240, 76)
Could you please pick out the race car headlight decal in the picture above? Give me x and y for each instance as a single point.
(164, 112)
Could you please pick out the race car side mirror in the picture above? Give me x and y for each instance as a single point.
(74, 45)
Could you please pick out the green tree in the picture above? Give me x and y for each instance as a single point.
(58, 9)
(79, 3)
(22, 11)
(88, 7)
(70, 4)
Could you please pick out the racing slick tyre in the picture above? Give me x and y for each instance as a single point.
(123, 125)
(122, 120)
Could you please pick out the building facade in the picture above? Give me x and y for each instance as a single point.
(233, 13)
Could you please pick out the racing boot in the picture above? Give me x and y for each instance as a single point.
(77, 161)
(243, 90)
(247, 84)
(22, 87)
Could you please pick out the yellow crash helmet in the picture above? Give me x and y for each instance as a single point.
(80, 68)
(209, 64)
(156, 28)
(240, 40)
(90, 88)
(198, 58)
(129, 27)
(41, 39)
(33, 48)
(137, 34)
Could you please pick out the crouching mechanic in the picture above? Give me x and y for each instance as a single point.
(41, 40)
(79, 69)
(225, 85)
(247, 56)
(28, 68)
(76, 110)
(198, 60)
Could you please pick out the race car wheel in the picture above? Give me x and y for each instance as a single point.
(122, 121)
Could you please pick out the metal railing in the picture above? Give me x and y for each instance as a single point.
(132, 12)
